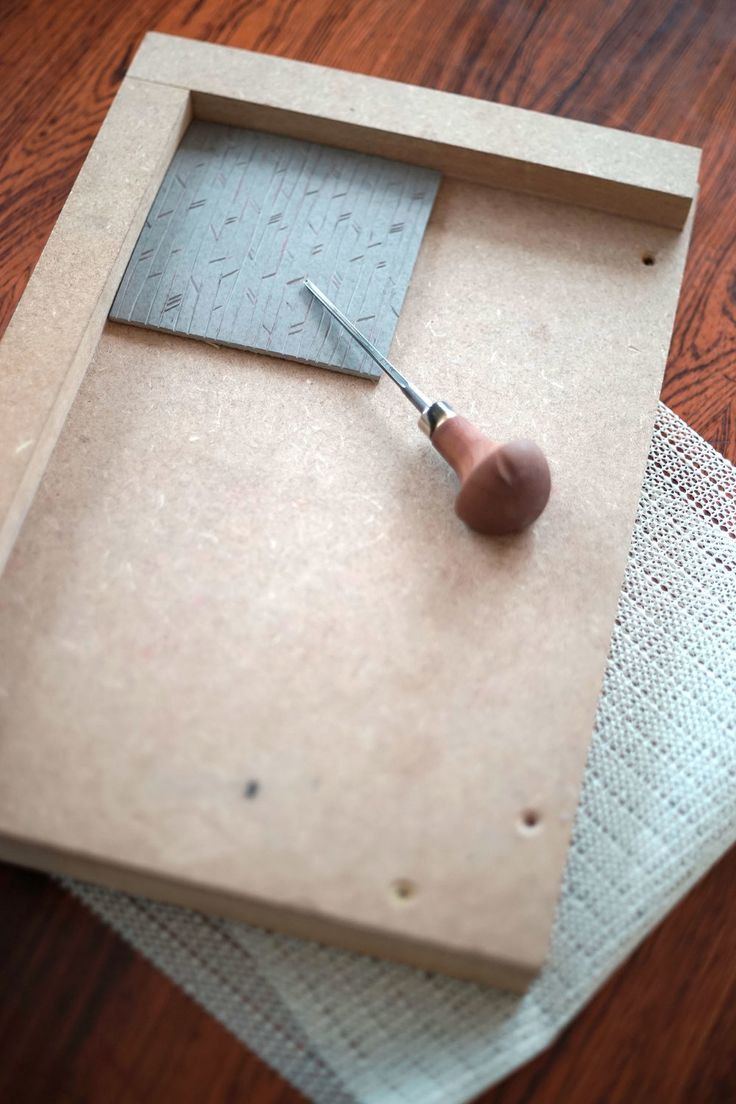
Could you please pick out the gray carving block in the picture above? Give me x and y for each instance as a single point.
(242, 217)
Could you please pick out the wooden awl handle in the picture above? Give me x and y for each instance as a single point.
(504, 488)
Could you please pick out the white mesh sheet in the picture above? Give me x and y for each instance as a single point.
(658, 807)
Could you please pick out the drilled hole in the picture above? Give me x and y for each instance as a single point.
(403, 889)
(647, 258)
(530, 820)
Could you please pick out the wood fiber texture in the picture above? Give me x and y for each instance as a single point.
(634, 65)
(242, 217)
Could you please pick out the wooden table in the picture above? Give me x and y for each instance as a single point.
(82, 1017)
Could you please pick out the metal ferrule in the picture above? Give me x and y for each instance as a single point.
(434, 415)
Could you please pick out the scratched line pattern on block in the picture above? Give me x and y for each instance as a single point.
(242, 217)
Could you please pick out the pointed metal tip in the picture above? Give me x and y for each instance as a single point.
(321, 297)
(420, 401)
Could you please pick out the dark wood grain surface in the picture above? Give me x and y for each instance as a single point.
(83, 1019)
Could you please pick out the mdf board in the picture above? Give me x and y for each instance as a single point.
(251, 660)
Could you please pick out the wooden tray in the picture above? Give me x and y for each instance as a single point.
(251, 661)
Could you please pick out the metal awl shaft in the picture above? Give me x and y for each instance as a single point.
(420, 401)
(503, 488)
